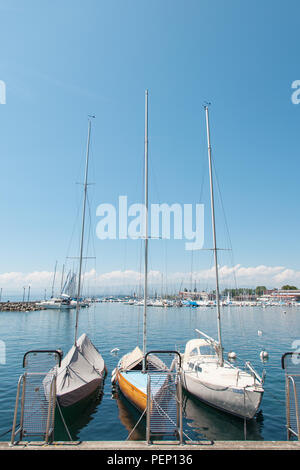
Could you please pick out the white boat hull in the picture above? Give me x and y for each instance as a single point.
(56, 307)
(55, 304)
(236, 401)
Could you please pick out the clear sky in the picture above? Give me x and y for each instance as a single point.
(64, 59)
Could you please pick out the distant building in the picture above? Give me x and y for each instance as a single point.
(194, 295)
(292, 295)
(281, 295)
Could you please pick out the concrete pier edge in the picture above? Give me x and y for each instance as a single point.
(142, 446)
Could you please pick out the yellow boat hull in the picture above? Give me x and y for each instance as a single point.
(132, 393)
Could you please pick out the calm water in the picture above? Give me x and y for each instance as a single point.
(110, 325)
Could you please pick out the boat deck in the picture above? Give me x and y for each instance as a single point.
(139, 380)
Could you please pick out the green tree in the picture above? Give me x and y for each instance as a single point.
(260, 290)
(287, 287)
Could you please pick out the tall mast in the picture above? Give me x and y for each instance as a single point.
(82, 228)
(54, 279)
(214, 236)
(62, 279)
(146, 233)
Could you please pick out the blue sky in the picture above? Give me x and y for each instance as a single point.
(63, 60)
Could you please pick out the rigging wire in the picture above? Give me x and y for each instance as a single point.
(241, 318)
(225, 220)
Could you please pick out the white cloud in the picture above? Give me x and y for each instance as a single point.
(251, 276)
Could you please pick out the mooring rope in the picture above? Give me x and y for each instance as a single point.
(64, 423)
(133, 429)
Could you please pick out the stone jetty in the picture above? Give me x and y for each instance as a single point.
(19, 307)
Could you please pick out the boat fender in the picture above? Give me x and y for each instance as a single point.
(113, 376)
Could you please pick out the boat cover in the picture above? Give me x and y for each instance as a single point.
(132, 359)
(81, 370)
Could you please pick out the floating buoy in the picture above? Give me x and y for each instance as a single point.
(232, 355)
(259, 333)
(264, 355)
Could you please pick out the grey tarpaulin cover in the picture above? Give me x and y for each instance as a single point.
(80, 373)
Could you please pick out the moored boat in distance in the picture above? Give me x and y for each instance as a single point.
(56, 303)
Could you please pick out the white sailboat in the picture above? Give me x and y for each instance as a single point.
(82, 370)
(206, 374)
(57, 303)
(130, 373)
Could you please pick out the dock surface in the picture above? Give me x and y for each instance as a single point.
(143, 446)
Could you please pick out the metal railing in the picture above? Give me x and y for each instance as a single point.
(291, 364)
(36, 396)
(164, 401)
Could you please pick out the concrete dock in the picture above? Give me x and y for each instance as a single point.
(165, 446)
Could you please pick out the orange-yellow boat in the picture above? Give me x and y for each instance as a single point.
(131, 379)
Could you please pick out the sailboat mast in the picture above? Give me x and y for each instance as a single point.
(62, 279)
(214, 235)
(52, 295)
(82, 229)
(146, 234)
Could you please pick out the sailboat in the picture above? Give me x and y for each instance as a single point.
(57, 303)
(206, 374)
(82, 370)
(130, 374)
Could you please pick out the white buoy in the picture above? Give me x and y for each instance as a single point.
(264, 355)
(231, 355)
(259, 333)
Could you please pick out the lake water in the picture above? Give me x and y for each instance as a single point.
(115, 325)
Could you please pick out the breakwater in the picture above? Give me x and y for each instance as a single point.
(19, 307)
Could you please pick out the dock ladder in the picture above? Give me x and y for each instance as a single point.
(36, 396)
(290, 362)
(164, 400)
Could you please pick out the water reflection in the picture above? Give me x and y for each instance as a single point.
(200, 422)
(76, 417)
(129, 417)
(213, 424)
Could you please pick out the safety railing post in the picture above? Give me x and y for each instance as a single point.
(148, 408)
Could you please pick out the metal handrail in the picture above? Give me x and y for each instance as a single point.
(290, 378)
(178, 394)
(288, 354)
(290, 381)
(255, 374)
(163, 352)
(14, 432)
(47, 351)
(51, 407)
